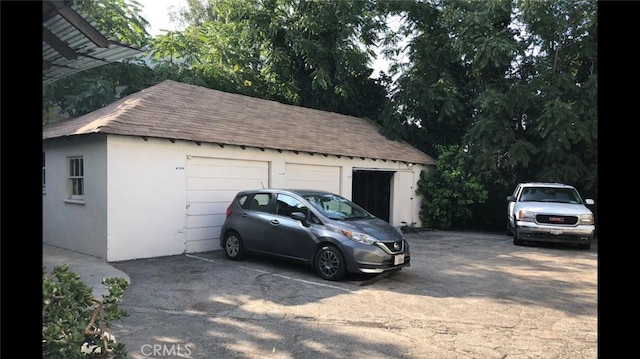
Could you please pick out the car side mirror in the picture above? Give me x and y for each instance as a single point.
(589, 201)
(300, 217)
(511, 199)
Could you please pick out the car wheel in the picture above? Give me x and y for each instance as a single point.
(509, 231)
(233, 246)
(516, 241)
(330, 263)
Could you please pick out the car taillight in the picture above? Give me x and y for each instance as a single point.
(228, 211)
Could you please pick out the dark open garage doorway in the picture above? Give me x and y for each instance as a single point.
(372, 191)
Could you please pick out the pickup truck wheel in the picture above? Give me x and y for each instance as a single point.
(516, 241)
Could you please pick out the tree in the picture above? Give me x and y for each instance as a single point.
(543, 125)
(307, 53)
(514, 82)
(95, 88)
(430, 103)
(120, 19)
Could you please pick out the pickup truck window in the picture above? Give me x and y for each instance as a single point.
(546, 194)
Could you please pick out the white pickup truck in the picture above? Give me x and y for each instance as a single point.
(549, 212)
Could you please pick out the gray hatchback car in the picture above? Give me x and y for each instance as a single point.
(332, 234)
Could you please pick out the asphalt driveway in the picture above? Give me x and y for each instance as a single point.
(466, 295)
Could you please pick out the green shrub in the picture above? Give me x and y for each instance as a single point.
(449, 191)
(74, 323)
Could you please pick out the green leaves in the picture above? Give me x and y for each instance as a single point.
(514, 81)
(522, 152)
(93, 89)
(118, 19)
(306, 53)
(449, 191)
(74, 322)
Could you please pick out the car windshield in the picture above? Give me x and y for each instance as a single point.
(550, 194)
(336, 207)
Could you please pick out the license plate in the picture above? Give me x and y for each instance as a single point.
(556, 231)
(398, 259)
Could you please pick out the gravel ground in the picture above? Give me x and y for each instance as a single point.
(465, 295)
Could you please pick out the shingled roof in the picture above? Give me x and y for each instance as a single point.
(178, 111)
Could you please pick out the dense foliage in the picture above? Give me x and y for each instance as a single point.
(94, 88)
(512, 82)
(314, 54)
(118, 19)
(74, 323)
(449, 190)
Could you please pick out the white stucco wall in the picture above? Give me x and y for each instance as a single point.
(79, 226)
(136, 195)
(146, 187)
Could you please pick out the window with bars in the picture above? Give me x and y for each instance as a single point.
(76, 178)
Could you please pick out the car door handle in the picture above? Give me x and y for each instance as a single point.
(275, 222)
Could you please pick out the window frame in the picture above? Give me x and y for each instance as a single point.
(259, 201)
(293, 204)
(75, 178)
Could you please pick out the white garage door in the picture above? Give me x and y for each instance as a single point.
(304, 176)
(211, 185)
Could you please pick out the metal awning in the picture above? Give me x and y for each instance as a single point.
(71, 43)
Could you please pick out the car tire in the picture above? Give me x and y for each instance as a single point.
(330, 264)
(233, 246)
(516, 241)
(509, 231)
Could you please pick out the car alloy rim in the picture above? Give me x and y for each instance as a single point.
(329, 263)
(232, 246)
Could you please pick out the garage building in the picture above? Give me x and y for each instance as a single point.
(153, 173)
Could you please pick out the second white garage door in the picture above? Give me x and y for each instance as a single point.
(211, 185)
(304, 176)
